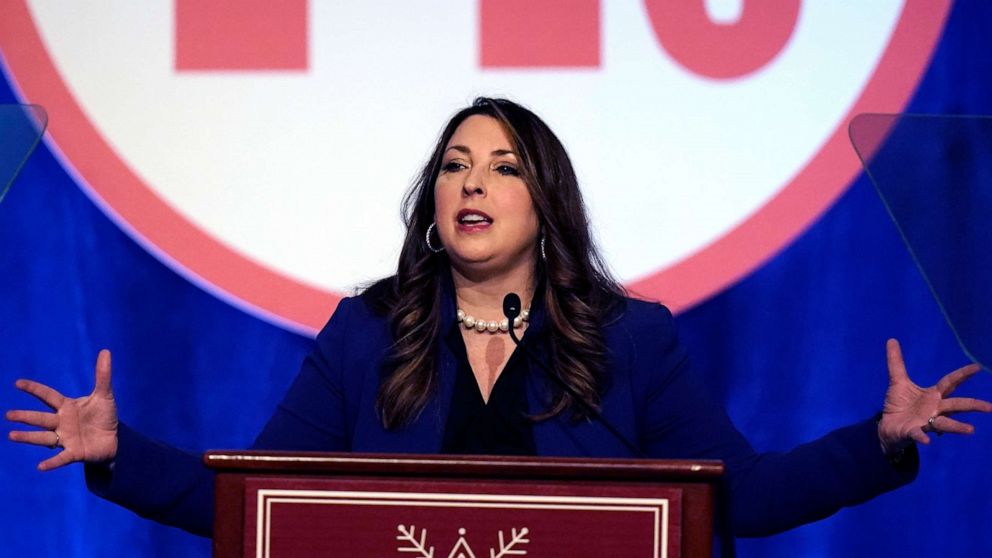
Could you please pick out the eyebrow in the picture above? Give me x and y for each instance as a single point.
(467, 151)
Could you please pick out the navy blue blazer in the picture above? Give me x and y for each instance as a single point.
(653, 398)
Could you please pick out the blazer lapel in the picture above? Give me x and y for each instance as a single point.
(560, 436)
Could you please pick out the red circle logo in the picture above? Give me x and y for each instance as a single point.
(264, 156)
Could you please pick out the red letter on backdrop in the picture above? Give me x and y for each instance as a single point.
(241, 35)
(539, 34)
(723, 51)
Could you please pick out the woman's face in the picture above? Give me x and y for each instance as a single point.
(484, 212)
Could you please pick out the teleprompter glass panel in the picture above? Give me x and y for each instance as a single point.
(21, 127)
(934, 174)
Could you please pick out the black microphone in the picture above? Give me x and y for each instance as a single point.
(511, 309)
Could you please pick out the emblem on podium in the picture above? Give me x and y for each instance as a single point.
(418, 546)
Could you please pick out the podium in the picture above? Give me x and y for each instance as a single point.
(278, 504)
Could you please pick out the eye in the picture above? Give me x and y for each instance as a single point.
(507, 170)
(452, 166)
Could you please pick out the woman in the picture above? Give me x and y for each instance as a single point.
(421, 362)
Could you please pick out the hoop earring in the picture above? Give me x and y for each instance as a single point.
(544, 256)
(430, 247)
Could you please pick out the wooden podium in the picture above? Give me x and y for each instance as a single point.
(276, 505)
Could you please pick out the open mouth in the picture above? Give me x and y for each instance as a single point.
(473, 220)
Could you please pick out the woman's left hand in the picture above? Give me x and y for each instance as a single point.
(910, 412)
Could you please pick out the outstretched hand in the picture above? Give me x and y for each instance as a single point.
(85, 427)
(910, 412)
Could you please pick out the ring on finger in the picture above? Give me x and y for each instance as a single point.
(58, 439)
(933, 428)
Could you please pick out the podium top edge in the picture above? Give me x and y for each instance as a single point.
(464, 466)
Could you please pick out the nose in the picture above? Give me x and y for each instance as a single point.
(468, 190)
(473, 185)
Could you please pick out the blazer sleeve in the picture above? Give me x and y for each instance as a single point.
(156, 481)
(768, 492)
(174, 487)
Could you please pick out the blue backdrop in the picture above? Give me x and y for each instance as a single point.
(795, 350)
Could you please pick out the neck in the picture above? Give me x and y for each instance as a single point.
(482, 295)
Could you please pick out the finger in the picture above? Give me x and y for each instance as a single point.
(45, 438)
(949, 425)
(919, 436)
(58, 460)
(102, 383)
(897, 368)
(47, 421)
(963, 405)
(950, 382)
(47, 395)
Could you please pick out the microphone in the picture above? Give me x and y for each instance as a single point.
(511, 309)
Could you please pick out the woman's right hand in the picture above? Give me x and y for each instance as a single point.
(85, 427)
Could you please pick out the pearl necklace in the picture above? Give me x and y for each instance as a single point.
(482, 326)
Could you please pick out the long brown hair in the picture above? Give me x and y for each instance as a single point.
(579, 292)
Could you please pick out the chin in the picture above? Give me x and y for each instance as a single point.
(472, 258)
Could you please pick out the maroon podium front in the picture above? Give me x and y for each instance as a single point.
(277, 505)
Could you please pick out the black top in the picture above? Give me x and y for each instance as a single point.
(500, 427)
